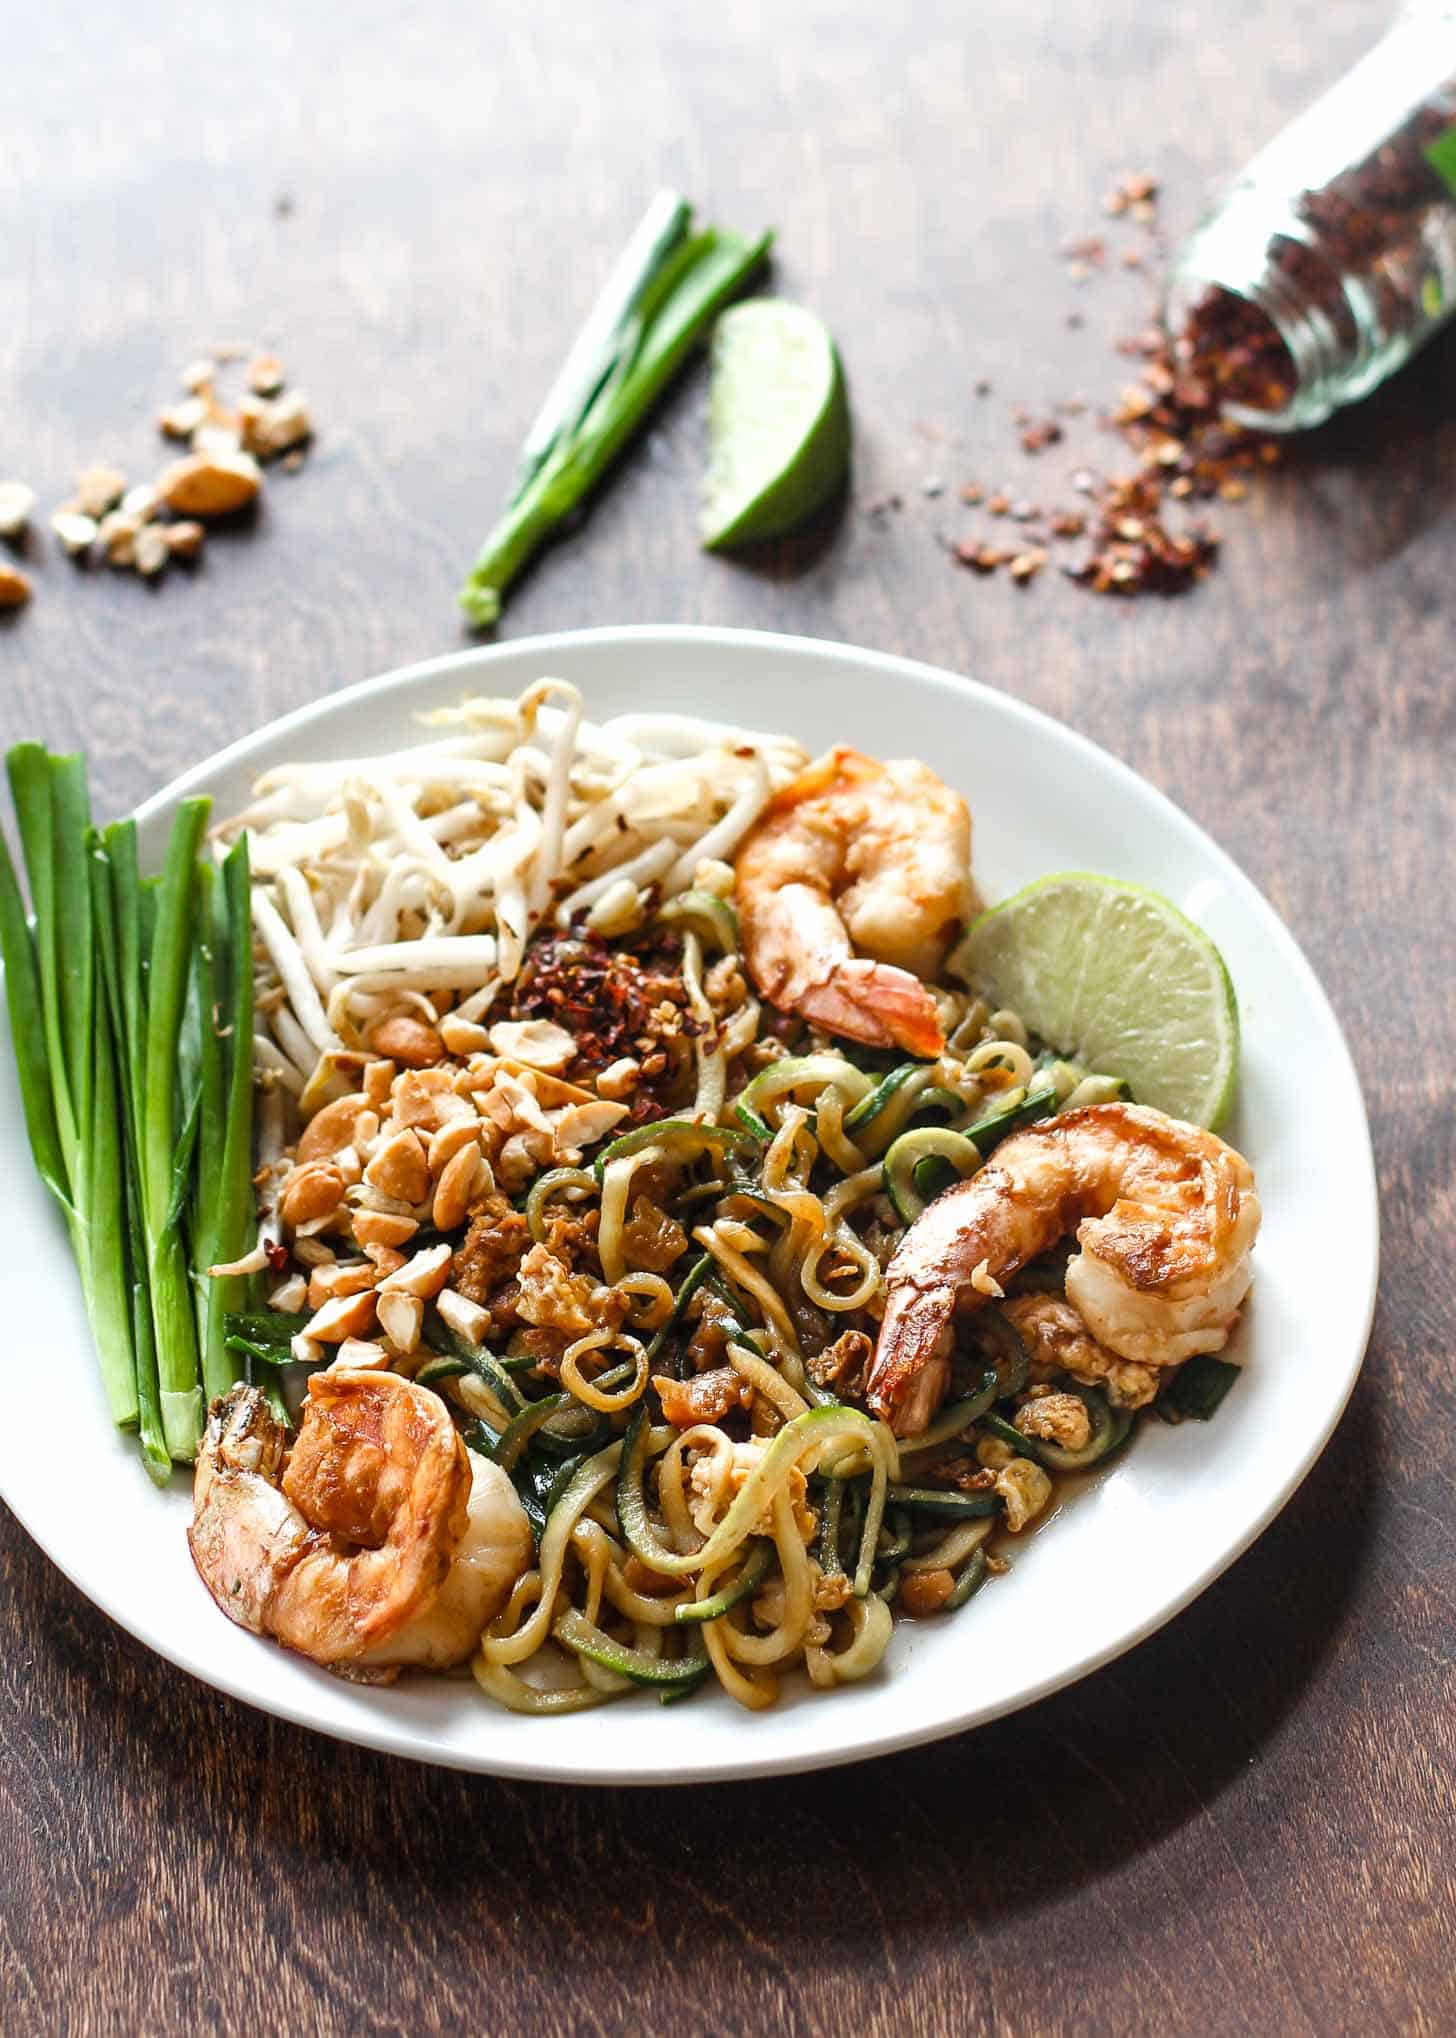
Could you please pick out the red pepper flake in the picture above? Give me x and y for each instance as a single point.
(1039, 434)
(998, 504)
(1026, 565)
(1132, 193)
(972, 494)
(981, 558)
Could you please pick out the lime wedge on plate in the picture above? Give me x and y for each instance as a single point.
(778, 423)
(1117, 978)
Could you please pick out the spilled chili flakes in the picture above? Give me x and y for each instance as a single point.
(1040, 433)
(981, 558)
(1026, 565)
(1140, 537)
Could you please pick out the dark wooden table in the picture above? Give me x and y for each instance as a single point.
(1246, 1825)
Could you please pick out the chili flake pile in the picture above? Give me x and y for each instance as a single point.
(624, 1004)
(1138, 536)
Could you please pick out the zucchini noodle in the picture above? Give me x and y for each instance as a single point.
(555, 1182)
(712, 1065)
(798, 1597)
(834, 1142)
(1001, 1065)
(952, 1548)
(770, 1385)
(871, 1626)
(649, 1300)
(729, 1255)
(858, 1254)
(574, 1381)
(616, 1187)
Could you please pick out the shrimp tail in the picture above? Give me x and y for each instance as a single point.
(878, 1004)
(912, 1356)
(244, 1535)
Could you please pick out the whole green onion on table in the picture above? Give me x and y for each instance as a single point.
(130, 1005)
(658, 303)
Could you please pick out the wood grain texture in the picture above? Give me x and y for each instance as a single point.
(1244, 1826)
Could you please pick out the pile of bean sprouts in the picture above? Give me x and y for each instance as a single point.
(418, 877)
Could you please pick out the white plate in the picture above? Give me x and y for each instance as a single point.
(1122, 1559)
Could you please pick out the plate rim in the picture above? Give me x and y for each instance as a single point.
(385, 1736)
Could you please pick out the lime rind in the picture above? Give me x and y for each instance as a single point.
(1115, 976)
(778, 423)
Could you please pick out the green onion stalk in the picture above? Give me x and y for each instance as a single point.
(131, 1015)
(668, 286)
(64, 1061)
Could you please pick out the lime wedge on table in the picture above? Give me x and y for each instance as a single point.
(1114, 976)
(778, 422)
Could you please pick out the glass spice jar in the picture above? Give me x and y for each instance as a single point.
(1332, 257)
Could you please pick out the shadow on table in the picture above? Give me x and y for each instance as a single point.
(1379, 474)
(787, 558)
(855, 1863)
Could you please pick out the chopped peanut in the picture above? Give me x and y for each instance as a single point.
(16, 503)
(330, 1129)
(462, 1036)
(618, 1079)
(378, 1082)
(400, 1317)
(408, 1040)
(399, 1168)
(211, 484)
(290, 1296)
(539, 1043)
(344, 1277)
(310, 1192)
(447, 1142)
(360, 1355)
(383, 1228)
(345, 1316)
(424, 1275)
(466, 1318)
(453, 1190)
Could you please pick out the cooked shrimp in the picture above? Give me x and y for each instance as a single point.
(850, 855)
(346, 1556)
(495, 1549)
(1165, 1215)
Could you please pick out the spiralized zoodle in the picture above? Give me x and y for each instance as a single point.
(535, 1144)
